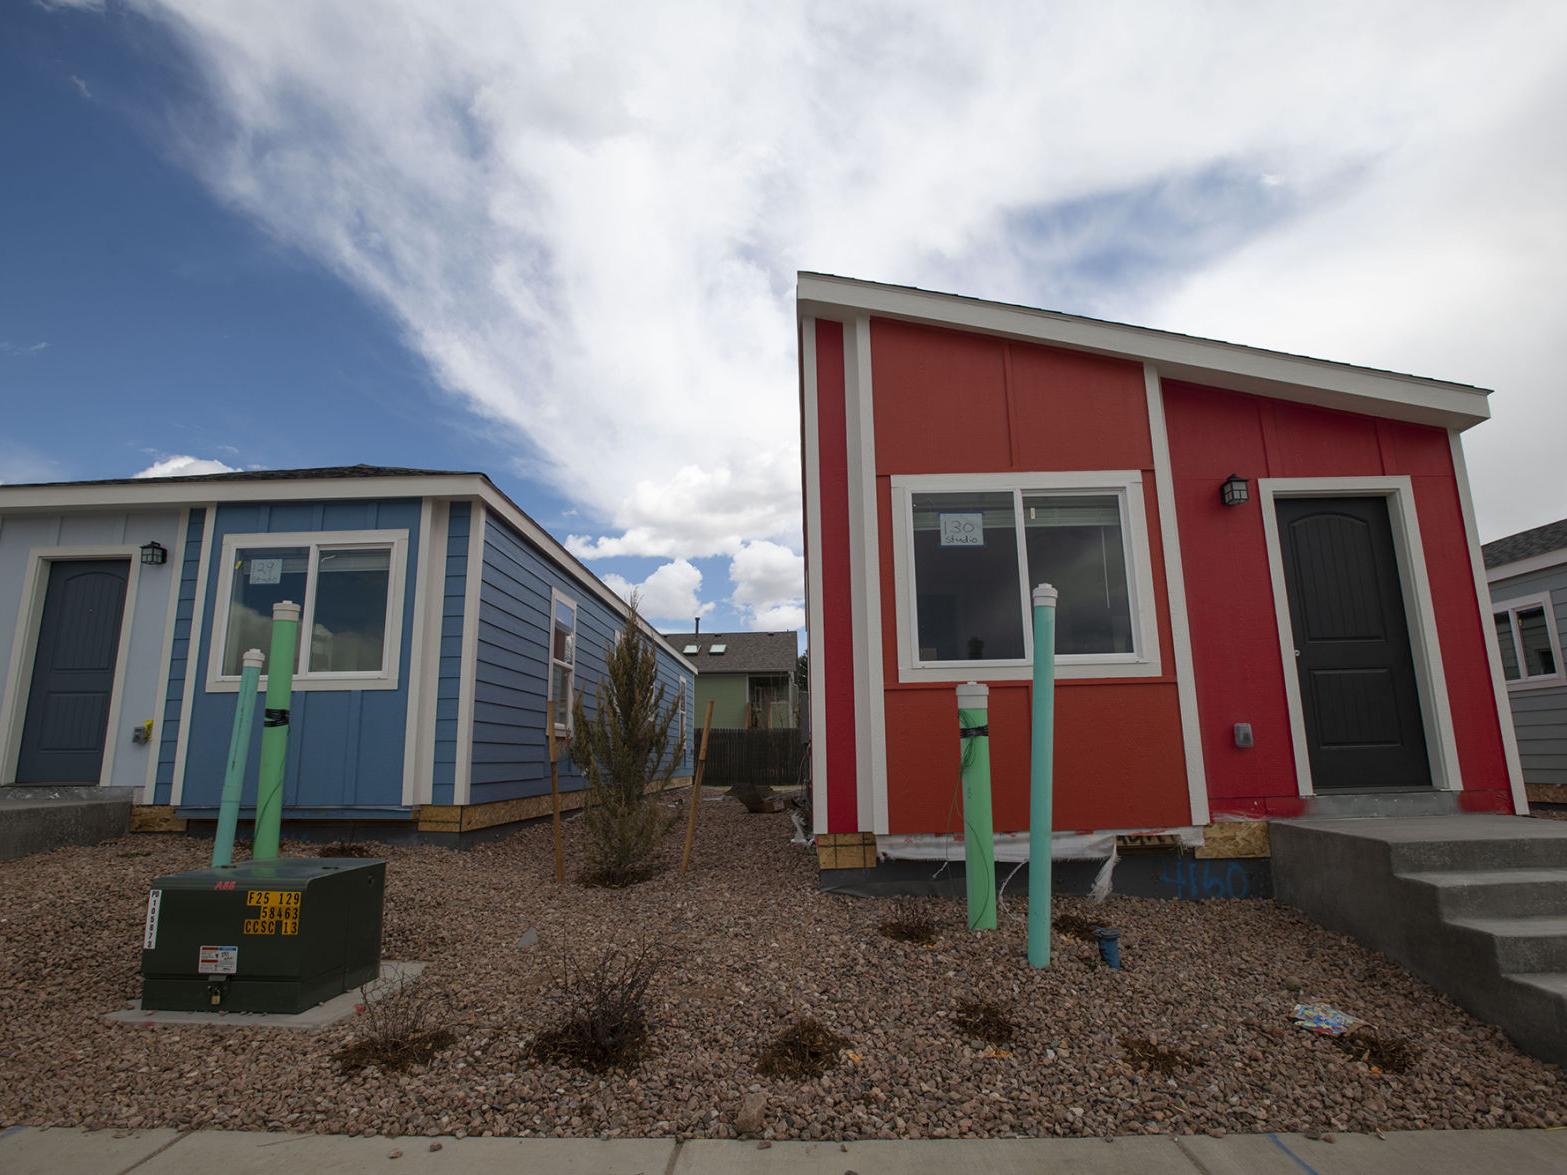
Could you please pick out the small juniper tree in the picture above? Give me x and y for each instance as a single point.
(625, 751)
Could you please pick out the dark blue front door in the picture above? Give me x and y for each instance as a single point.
(73, 673)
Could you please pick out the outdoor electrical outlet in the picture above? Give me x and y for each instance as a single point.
(1243, 734)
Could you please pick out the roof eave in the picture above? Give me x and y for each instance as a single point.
(1231, 366)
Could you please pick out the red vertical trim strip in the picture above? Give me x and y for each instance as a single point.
(837, 645)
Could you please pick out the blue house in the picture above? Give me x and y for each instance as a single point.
(442, 628)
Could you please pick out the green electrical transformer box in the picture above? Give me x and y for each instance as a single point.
(262, 936)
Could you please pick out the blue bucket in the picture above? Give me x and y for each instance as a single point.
(1109, 946)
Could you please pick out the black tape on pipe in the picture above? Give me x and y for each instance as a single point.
(974, 731)
(274, 718)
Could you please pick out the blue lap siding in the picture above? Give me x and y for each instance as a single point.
(510, 759)
(345, 747)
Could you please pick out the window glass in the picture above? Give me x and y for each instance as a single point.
(968, 597)
(1504, 642)
(348, 633)
(263, 576)
(563, 659)
(1074, 544)
(1538, 658)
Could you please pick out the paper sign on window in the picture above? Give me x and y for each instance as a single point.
(264, 571)
(962, 530)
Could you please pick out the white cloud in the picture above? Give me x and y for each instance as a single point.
(669, 596)
(769, 585)
(9, 348)
(184, 466)
(587, 218)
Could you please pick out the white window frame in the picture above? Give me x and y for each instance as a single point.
(1512, 607)
(387, 678)
(568, 726)
(1125, 485)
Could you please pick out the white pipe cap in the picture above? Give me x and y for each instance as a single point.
(973, 696)
(254, 659)
(1045, 596)
(285, 610)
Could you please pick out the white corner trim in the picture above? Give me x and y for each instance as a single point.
(24, 648)
(815, 646)
(870, 735)
(166, 659)
(422, 611)
(1547, 606)
(1420, 618)
(1207, 361)
(1175, 596)
(1504, 709)
(462, 782)
(315, 541)
(193, 670)
(1124, 484)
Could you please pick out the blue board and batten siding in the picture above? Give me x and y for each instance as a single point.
(510, 758)
(345, 747)
(454, 589)
(1540, 712)
(179, 655)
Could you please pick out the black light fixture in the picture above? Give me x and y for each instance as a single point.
(1234, 492)
(154, 554)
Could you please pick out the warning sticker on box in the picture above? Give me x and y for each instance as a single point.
(149, 938)
(217, 960)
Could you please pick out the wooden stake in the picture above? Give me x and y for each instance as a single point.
(696, 788)
(549, 731)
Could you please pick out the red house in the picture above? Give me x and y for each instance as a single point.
(1272, 598)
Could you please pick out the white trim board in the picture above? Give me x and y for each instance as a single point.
(1529, 566)
(1175, 598)
(1424, 641)
(200, 491)
(166, 662)
(1125, 484)
(1205, 361)
(315, 541)
(811, 455)
(1504, 710)
(24, 648)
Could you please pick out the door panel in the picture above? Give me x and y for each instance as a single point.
(73, 672)
(1358, 691)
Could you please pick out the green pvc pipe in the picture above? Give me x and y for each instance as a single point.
(979, 850)
(1041, 800)
(239, 753)
(274, 730)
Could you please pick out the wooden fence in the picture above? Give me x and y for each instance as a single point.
(752, 756)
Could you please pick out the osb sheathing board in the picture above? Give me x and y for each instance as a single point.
(1234, 838)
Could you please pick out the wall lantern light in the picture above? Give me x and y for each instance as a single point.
(1234, 492)
(154, 554)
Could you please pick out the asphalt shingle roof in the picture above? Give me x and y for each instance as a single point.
(1542, 540)
(325, 471)
(744, 652)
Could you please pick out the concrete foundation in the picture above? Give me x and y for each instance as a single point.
(37, 819)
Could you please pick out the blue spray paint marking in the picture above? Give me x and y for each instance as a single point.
(10, 1130)
(1304, 1166)
(1214, 879)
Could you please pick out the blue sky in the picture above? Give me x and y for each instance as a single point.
(558, 243)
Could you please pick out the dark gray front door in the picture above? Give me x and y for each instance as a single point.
(1352, 652)
(73, 672)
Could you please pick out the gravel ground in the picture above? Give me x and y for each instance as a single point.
(750, 945)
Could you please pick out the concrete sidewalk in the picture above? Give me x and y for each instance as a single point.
(27, 1151)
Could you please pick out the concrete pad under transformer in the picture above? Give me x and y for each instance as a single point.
(339, 1007)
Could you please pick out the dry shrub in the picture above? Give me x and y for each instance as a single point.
(343, 848)
(985, 1021)
(910, 923)
(1391, 1054)
(605, 1007)
(805, 1049)
(1142, 1051)
(1074, 926)
(397, 1027)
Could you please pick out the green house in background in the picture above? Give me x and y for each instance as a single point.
(749, 676)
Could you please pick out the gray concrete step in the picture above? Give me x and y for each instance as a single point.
(1474, 905)
(1500, 892)
(1537, 942)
